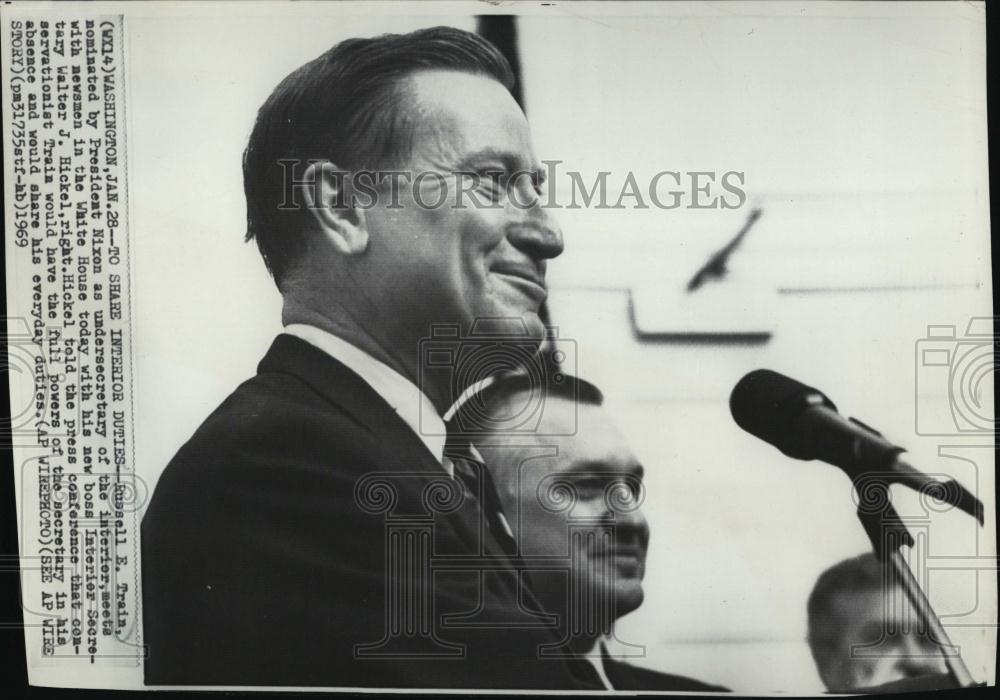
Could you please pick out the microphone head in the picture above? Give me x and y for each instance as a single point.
(769, 405)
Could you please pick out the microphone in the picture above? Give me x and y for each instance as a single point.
(804, 424)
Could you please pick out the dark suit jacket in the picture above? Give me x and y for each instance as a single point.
(625, 676)
(914, 684)
(267, 548)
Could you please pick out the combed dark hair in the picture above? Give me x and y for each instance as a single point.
(343, 107)
(857, 574)
(474, 415)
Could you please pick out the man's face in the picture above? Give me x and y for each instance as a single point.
(443, 264)
(588, 483)
(887, 654)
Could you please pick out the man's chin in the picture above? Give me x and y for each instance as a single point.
(533, 322)
(519, 325)
(627, 599)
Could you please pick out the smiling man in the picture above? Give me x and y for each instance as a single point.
(289, 541)
(572, 489)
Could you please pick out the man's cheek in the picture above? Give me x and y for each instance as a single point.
(482, 229)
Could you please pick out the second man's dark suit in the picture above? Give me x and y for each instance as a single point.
(625, 676)
(265, 548)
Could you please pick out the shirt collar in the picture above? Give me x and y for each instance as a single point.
(404, 396)
(596, 658)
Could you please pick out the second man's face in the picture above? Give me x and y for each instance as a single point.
(574, 501)
(463, 247)
(879, 642)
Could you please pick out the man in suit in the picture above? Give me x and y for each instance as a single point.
(572, 490)
(289, 541)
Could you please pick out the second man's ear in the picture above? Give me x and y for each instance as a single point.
(326, 191)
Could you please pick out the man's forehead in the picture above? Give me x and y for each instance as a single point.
(869, 600)
(557, 415)
(582, 432)
(462, 115)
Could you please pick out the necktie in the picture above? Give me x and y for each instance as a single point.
(472, 471)
(475, 476)
(586, 675)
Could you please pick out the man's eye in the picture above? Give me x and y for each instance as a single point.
(593, 486)
(635, 486)
(625, 486)
(491, 177)
(492, 181)
(538, 182)
(629, 485)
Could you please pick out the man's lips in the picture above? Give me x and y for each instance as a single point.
(622, 551)
(626, 553)
(628, 563)
(531, 283)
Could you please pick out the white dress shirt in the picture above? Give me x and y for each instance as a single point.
(596, 659)
(404, 396)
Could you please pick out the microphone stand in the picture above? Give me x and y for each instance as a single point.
(888, 535)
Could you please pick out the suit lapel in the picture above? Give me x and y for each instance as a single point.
(343, 387)
(401, 447)
(616, 672)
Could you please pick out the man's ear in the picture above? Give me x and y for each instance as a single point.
(327, 194)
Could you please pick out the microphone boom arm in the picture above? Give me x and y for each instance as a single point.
(888, 535)
(899, 472)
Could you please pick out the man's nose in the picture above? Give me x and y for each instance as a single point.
(909, 667)
(631, 519)
(538, 235)
(920, 655)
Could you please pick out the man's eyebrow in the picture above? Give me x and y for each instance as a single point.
(511, 162)
(589, 468)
